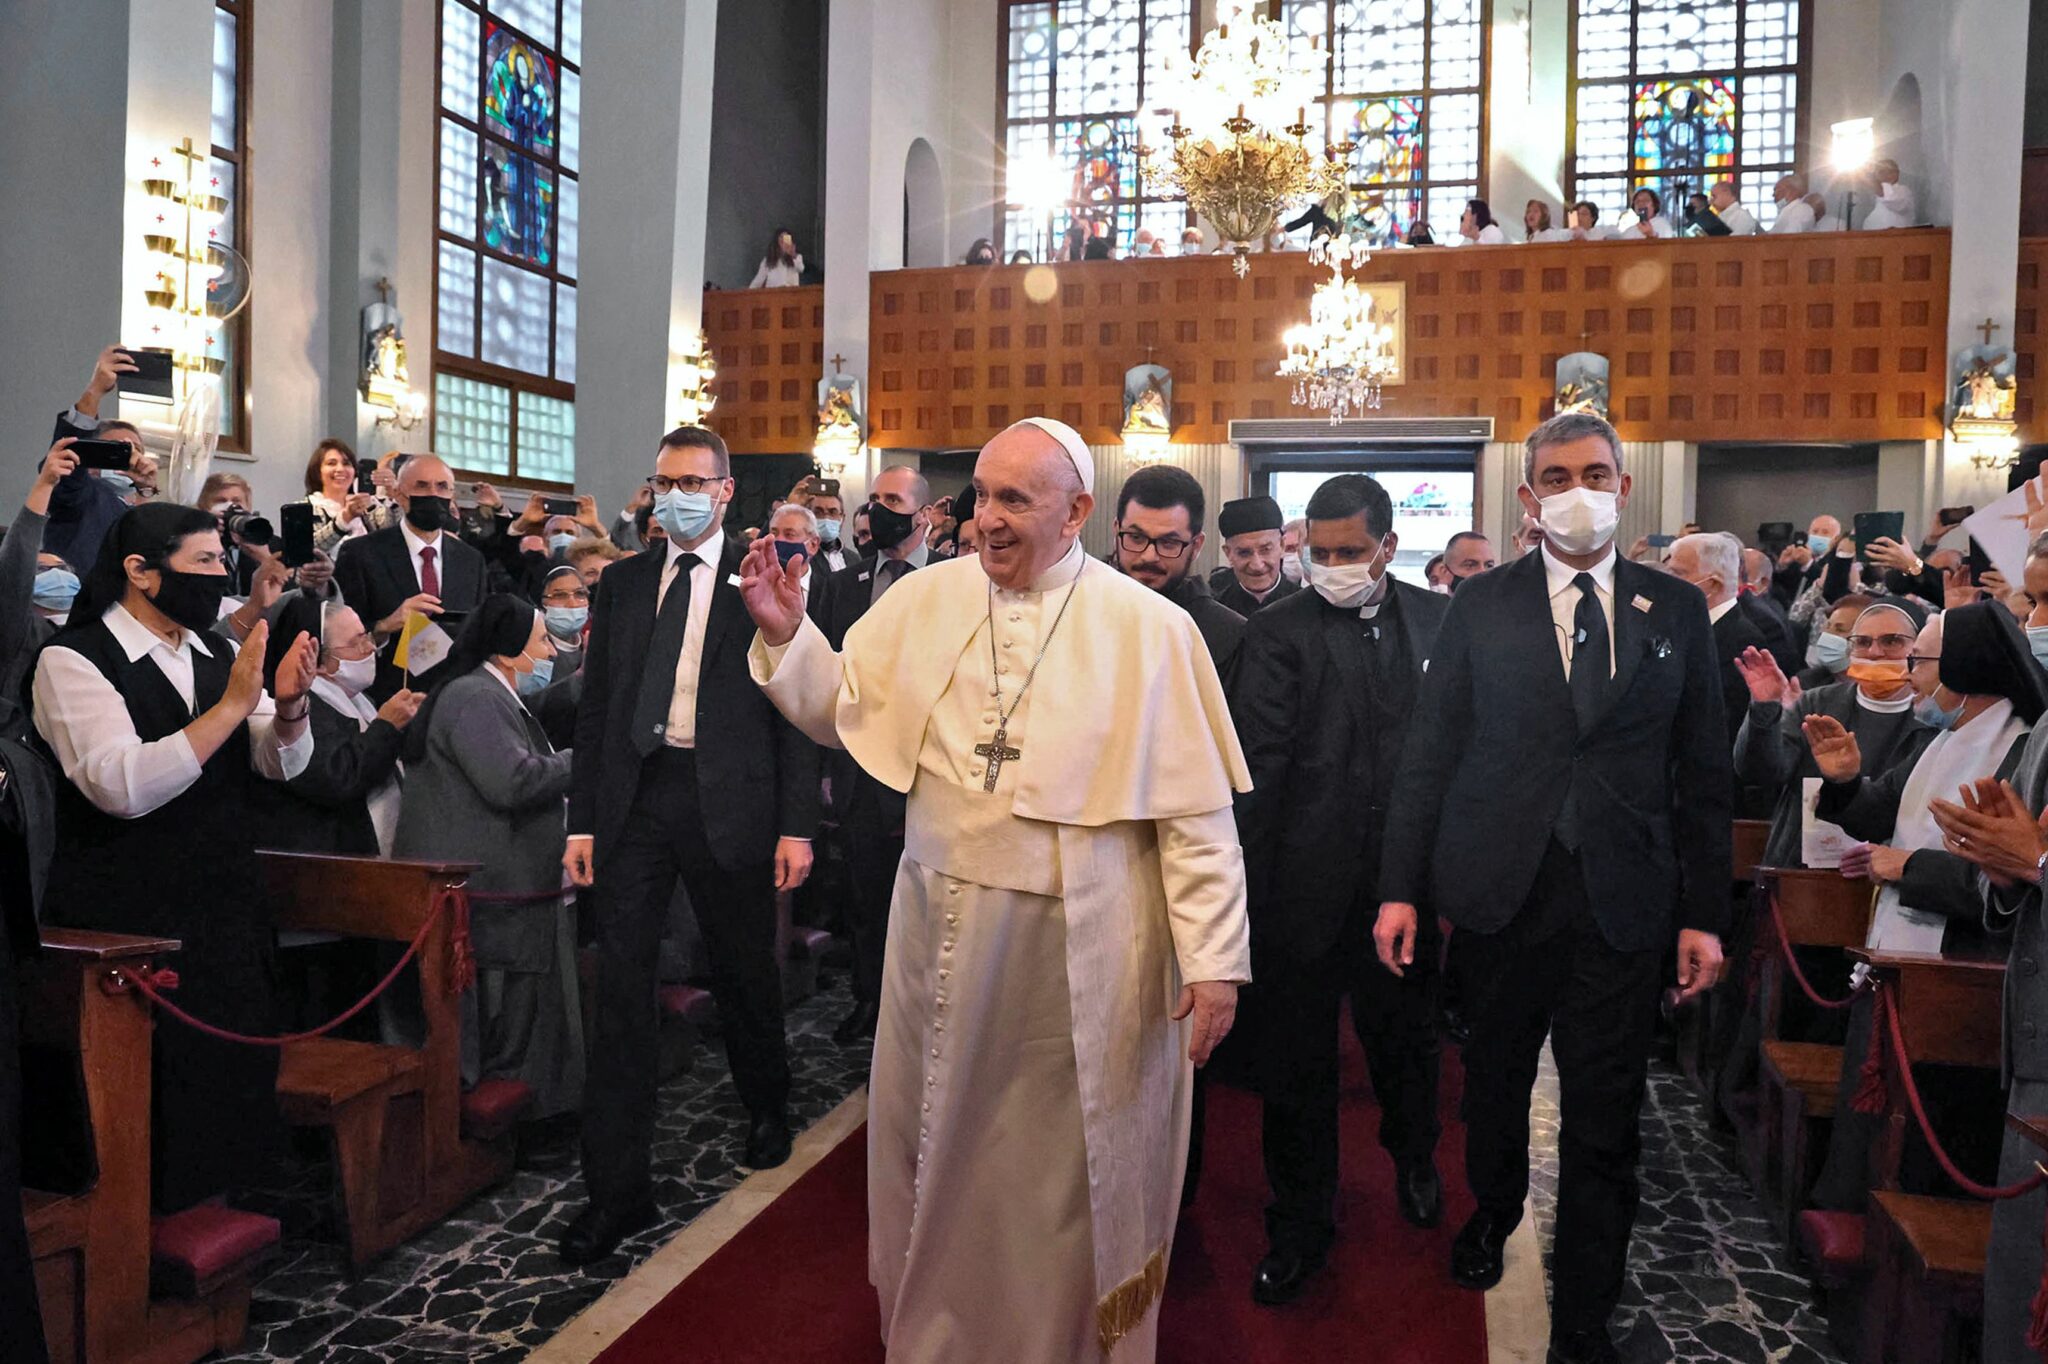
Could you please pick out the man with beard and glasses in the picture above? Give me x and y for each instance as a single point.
(415, 565)
(1158, 538)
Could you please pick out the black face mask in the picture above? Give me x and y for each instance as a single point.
(429, 513)
(1455, 581)
(191, 599)
(887, 527)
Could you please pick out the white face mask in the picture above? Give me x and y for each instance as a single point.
(1344, 586)
(354, 675)
(1290, 567)
(1579, 520)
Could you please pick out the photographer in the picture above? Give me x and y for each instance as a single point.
(161, 730)
(87, 502)
(230, 499)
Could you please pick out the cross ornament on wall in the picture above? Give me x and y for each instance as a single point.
(837, 361)
(1987, 326)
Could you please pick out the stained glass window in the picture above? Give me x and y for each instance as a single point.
(1677, 94)
(227, 169)
(1404, 85)
(505, 228)
(1077, 75)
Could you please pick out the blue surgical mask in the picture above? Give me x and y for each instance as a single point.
(54, 589)
(1819, 544)
(1929, 711)
(566, 622)
(2037, 640)
(785, 550)
(118, 481)
(1831, 652)
(542, 674)
(685, 516)
(828, 530)
(560, 543)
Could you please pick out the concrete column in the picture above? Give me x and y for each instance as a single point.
(646, 87)
(1526, 109)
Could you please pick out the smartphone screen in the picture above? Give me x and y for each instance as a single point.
(296, 521)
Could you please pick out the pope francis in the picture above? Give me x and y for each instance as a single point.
(1068, 930)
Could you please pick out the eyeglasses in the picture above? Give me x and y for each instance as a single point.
(577, 597)
(1137, 542)
(1866, 643)
(688, 483)
(1915, 660)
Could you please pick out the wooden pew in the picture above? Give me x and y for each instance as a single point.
(1750, 837)
(1924, 1299)
(394, 1114)
(1797, 1080)
(92, 1248)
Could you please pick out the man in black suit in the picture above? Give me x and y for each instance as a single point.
(870, 815)
(1158, 538)
(1712, 562)
(1253, 548)
(683, 772)
(1768, 614)
(1569, 820)
(416, 565)
(1326, 686)
(1467, 555)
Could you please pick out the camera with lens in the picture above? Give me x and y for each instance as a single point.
(247, 527)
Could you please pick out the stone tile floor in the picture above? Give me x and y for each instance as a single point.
(1708, 1281)
(486, 1286)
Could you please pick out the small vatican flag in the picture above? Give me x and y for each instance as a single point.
(422, 645)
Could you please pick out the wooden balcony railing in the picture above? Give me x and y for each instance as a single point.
(770, 348)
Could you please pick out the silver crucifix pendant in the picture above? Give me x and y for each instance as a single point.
(997, 755)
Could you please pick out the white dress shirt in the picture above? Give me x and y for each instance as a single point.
(1551, 234)
(1564, 601)
(1796, 216)
(414, 543)
(779, 275)
(86, 723)
(1741, 222)
(682, 706)
(1631, 227)
(1714, 613)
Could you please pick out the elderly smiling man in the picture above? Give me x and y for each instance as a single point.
(1071, 870)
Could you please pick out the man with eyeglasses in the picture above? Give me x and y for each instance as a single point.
(869, 814)
(1326, 686)
(1158, 538)
(684, 773)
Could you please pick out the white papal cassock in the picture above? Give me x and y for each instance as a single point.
(1028, 1107)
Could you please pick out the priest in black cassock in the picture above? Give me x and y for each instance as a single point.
(1251, 576)
(1159, 514)
(1326, 684)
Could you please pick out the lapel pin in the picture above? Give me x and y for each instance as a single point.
(1641, 603)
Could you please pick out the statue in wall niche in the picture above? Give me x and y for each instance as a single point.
(1582, 383)
(1985, 385)
(386, 379)
(1148, 401)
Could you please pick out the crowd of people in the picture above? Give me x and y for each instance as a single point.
(585, 710)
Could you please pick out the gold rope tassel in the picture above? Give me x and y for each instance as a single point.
(1117, 1315)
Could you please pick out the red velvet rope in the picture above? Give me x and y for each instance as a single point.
(151, 983)
(1799, 976)
(1897, 1031)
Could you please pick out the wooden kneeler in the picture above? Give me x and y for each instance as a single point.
(394, 1114)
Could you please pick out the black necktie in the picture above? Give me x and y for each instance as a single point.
(664, 651)
(1590, 654)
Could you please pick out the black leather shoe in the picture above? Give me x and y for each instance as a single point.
(1590, 1346)
(858, 1025)
(1419, 1192)
(767, 1141)
(597, 1231)
(1282, 1275)
(1476, 1256)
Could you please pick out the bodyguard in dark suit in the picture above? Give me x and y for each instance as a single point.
(416, 565)
(683, 772)
(1158, 538)
(870, 815)
(1712, 562)
(1570, 820)
(1326, 686)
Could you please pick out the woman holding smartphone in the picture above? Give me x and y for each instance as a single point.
(339, 511)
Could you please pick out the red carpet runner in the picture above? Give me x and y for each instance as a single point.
(791, 1287)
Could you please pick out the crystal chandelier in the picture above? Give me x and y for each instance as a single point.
(1239, 135)
(1339, 358)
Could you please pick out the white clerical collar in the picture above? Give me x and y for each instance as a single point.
(712, 551)
(1382, 590)
(1059, 575)
(1561, 575)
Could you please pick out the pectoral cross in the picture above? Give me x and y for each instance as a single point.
(997, 755)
